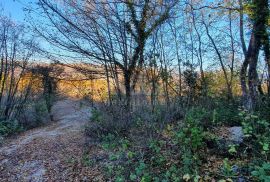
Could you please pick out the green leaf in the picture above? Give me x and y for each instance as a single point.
(133, 177)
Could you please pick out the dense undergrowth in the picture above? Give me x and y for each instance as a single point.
(34, 114)
(169, 144)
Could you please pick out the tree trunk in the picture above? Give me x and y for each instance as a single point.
(267, 60)
(241, 25)
(108, 83)
(259, 26)
(248, 96)
(128, 88)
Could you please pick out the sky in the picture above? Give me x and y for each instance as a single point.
(14, 8)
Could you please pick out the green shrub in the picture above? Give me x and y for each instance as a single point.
(9, 127)
(257, 133)
(179, 150)
(262, 172)
(227, 169)
(198, 116)
(40, 111)
(226, 114)
(96, 116)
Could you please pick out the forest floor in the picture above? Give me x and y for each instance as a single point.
(53, 152)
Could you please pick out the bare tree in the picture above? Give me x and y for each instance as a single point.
(15, 52)
(49, 75)
(220, 58)
(113, 33)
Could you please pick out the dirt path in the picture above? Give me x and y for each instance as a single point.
(51, 153)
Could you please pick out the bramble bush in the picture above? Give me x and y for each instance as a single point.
(153, 149)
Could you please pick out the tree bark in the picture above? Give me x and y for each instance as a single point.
(260, 18)
(267, 60)
(128, 88)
